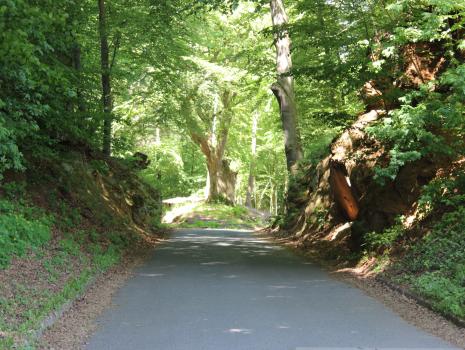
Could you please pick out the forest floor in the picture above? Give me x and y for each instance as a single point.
(62, 227)
(36, 288)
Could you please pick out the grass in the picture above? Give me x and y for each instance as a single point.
(43, 271)
(29, 304)
(212, 215)
(22, 228)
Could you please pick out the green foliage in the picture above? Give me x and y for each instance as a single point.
(318, 218)
(449, 295)
(446, 192)
(10, 156)
(70, 247)
(430, 120)
(38, 95)
(14, 190)
(376, 241)
(413, 132)
(100, 166)
(177, 167)
(67, 216)
(435, 266)
(21, 228)
(103, 259)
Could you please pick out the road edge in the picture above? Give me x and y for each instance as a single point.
(403, 304)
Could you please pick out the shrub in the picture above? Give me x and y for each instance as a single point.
(384, 240)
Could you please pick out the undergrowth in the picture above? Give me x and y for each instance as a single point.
(64, 262)
(433, 263)
(22, 227)
(435, 267)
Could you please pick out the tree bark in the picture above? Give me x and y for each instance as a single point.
(212, 181)
(283, 88)
(77, 65)
(250, 195)
(221, 183)
(221, 179)
(106, 79)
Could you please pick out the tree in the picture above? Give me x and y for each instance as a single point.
(107, 99)
(250, 195)
(283, 88)
(212, 137)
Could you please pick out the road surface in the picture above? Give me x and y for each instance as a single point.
(229, 290)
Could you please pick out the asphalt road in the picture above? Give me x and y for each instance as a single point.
(228, 290)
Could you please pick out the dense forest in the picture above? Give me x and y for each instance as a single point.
(330, 115)
(185, 81)
(144, 77)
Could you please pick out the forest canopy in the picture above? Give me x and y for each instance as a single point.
(231, 95)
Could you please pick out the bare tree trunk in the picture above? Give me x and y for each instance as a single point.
(250, 196)
(227, 182)
(221, 183)
(221, 180)
(271, 198)
(275, 193)
(283, 88)
(77, 65)
(106, 81)
(212, 182)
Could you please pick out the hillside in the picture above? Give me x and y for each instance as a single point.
(64, 222)
(408, 231)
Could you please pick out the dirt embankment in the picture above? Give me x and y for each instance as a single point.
(338, 203)
(99, 214)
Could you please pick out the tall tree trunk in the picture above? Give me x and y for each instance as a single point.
(221, 180)
(227, 182)
(106, 82)
(283, 88)
(250, 196)
(275, 201)
(212, 180)
(77, 65)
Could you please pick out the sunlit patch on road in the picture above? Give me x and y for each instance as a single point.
(239, 331)
(151, 274)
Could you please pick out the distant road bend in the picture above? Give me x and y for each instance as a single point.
(229, 290)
